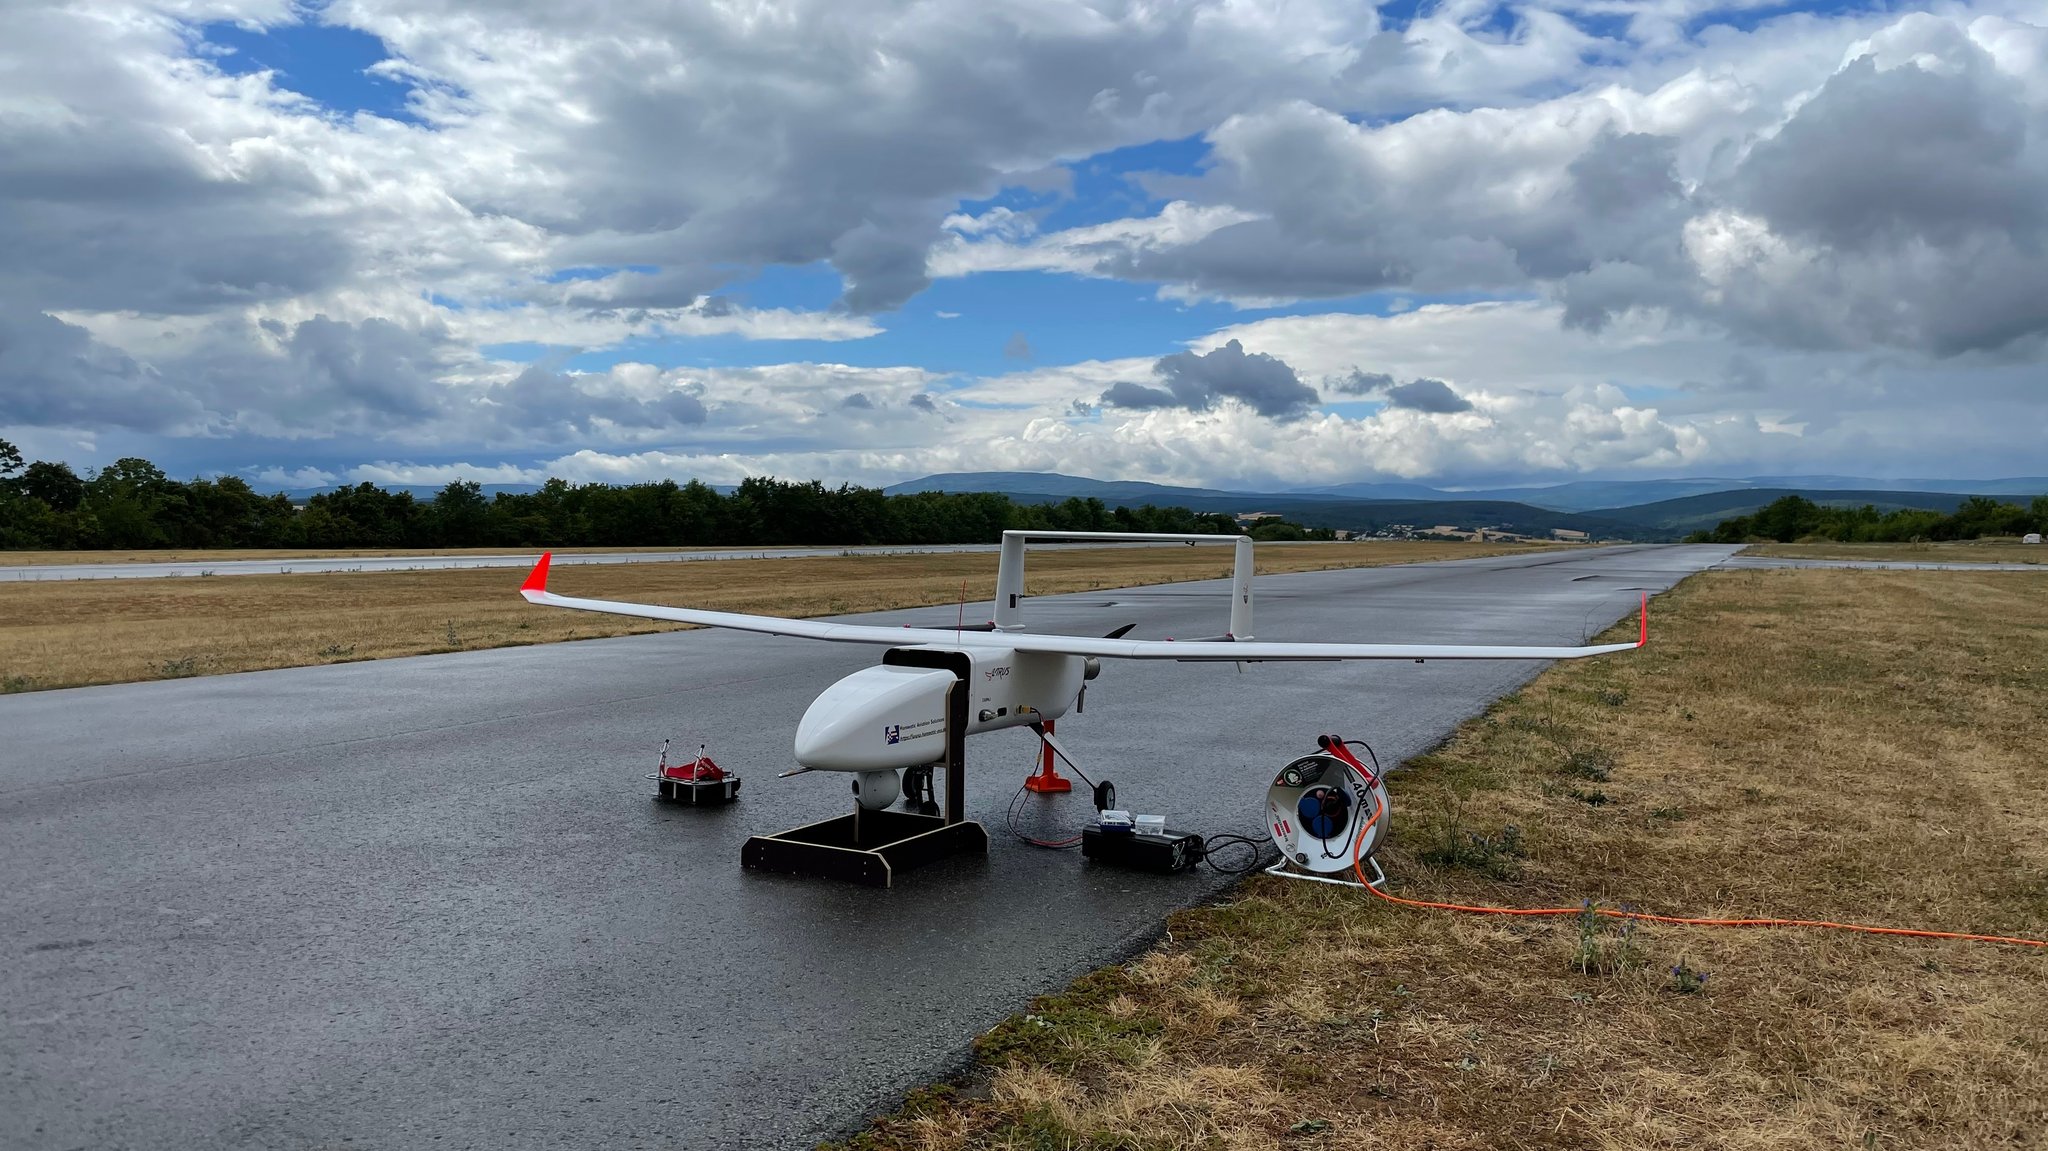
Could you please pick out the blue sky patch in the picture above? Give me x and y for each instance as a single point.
(322, 62)
(595, 272)
(1103, 187)
(799, 288)
(1500, 20)
(1108, 186)
(1750, 19)
(1354, 409)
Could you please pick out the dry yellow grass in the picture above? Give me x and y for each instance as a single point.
(68, 633)
(1951, 552)
(205, 555)
(1851, 745)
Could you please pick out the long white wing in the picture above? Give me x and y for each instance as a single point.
(535, 589)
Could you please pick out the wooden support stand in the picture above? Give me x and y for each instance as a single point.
(866, 847)
(872, 847)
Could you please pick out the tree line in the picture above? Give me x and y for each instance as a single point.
(1795, 518)
(131, 503)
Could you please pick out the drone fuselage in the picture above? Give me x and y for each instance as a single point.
(894, 715)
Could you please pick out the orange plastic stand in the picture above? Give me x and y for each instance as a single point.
(1048, 778)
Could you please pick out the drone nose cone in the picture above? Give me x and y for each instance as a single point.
(878, 717)
(823, 739)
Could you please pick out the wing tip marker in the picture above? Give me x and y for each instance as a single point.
(537, 580)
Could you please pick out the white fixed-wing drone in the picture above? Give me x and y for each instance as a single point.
(888, 717)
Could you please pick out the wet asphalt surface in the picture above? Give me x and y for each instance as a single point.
(428, 901)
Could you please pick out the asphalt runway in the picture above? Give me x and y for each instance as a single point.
(428, 901)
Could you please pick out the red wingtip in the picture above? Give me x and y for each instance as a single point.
(1641, 640)
(537, 580)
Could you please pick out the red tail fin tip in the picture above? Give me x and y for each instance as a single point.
(537, 580)
(1641, 640)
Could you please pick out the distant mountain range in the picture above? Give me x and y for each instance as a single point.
(1576, 496)
(1693, 513)
(1643, 510)
(1320, 510)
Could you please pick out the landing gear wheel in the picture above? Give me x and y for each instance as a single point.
(1105, 796)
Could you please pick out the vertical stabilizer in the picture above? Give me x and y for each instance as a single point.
(1009, 613)
(1241, 591)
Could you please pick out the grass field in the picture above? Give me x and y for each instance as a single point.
(1953, 552)
(74, 632)
(206, 555)
(1809, 744)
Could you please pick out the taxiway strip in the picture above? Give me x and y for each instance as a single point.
(428, 901)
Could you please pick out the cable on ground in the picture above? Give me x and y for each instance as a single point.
(1254, 844)
(1010, 813)
(1010, 818)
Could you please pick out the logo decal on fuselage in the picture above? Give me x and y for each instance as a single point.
(894, 733)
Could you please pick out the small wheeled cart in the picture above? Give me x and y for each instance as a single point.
(697, 782)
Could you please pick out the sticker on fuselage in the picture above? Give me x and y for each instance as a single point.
(904, 733)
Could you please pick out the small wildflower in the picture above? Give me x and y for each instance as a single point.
(1685, 980)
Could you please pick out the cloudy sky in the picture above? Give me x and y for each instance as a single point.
(1240, 242)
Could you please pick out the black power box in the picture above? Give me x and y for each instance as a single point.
(1165, 853)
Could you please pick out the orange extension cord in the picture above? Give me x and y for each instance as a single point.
(1357, 866)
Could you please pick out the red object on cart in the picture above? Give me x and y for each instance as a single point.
(699, 770)
(697, 782)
